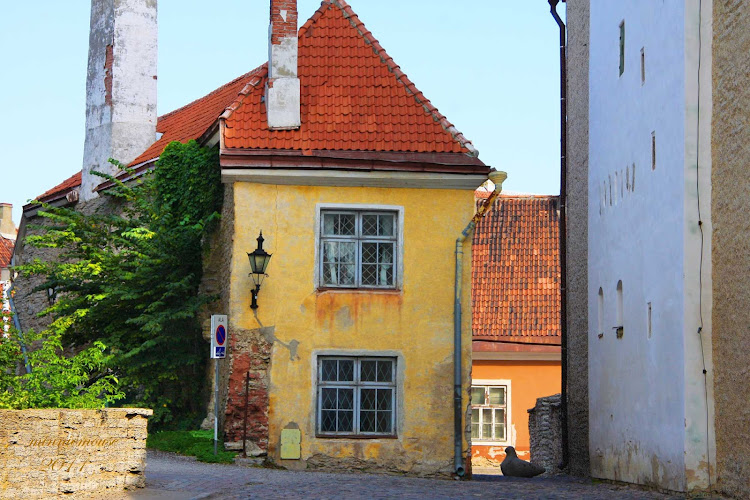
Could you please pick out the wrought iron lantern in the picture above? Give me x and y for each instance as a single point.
(259, 260)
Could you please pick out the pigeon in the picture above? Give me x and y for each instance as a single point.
(515, 467)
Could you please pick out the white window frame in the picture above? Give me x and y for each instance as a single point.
(362, 208)
(508, 441)
(357, 385)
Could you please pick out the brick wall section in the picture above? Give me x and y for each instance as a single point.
(577, 16)
(545, 432)
(251, 353)
(731, 255)
(283, 29)
(51, 452)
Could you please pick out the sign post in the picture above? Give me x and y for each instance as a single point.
(218, 351)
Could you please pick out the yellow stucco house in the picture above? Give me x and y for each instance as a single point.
(361, 189)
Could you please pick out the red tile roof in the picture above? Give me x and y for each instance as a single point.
(353, 98)
(516, 271)
(6, 251)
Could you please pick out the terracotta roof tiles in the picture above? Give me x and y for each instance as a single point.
(353, 98)
(516, 271)
(6, 251)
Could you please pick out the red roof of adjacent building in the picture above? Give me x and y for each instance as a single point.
(516, 271)
(6, 251)
(353, 98)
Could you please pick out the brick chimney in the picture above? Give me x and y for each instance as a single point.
(120, 86)
(282, 91)
(7, 228)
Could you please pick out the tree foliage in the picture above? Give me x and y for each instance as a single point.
(129, 277)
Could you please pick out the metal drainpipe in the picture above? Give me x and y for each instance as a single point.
(497, 178)
(17, 322)
(563, 237)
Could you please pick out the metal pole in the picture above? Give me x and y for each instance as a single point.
(216, 405)
(244, 427)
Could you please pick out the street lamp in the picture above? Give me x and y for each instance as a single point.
(259, 260)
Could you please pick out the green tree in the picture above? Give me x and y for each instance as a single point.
(129, 277)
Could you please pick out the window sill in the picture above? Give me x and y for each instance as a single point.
(356, 436)
(391, 291)
(490, 443)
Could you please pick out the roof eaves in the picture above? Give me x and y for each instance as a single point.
(400, 75)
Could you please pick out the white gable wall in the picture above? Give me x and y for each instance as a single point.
(637, 383)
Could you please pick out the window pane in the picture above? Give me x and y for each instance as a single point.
(367, 399)
(385, 399)
(477, 395)
(370, 225)
(368, 371)
(328, 398)
(486, 430)
(328, 421)
(339, 224)
(384, 421)
(367, 421)
(345, 421)
(346, 370)
(500, 432)
(386, 225)
(385, 371)
(369, 274)
(328, 370)
(497, 395)
(369, 253)
(475, 415)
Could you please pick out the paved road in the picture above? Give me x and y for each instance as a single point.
(172, 477)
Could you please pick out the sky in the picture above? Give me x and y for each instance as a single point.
(490, 66)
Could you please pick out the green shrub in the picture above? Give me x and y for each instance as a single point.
(198, 444)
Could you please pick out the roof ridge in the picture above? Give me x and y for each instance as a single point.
(245, 91)
(396, 70)
(215, 91)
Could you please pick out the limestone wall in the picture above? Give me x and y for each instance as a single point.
(545, 431)
(53, 451)
(731, 255)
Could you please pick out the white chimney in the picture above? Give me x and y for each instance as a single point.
(7, 228)
(120, 86)
(282, 91)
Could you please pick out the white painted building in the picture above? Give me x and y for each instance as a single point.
(649, 243)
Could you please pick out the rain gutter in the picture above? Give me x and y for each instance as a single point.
(497, 178)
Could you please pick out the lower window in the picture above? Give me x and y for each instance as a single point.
(489, 412)
(356, 396)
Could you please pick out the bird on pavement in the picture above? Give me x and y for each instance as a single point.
(515, 467)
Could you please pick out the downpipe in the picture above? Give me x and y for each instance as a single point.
(497, 178)
(563, 237)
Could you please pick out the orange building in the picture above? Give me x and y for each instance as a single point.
(515, 322)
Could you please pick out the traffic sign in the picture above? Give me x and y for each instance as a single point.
(218, 336)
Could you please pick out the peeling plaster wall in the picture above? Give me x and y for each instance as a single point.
(577, 17)
(731, 257)
(414, 325)
(637, 396)
(120, 86)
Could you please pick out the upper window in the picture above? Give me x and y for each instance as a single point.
(356, 396)
(489, 413)
(622, 48)
(358, 249)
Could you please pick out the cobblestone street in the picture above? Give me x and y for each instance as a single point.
(172, 477)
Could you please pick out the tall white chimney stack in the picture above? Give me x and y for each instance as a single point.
(283, 89)
(120, 86)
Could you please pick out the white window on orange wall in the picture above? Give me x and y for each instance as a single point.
(490, 412)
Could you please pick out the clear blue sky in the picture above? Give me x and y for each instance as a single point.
(490, 66)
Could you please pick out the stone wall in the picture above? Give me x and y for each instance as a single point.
(45, 453)
(731, 255)
(577, 16)
(545, 431)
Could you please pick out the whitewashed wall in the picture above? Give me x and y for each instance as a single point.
(637, 383)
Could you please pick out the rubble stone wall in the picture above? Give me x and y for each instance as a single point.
(51, 452)
(545, 431)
